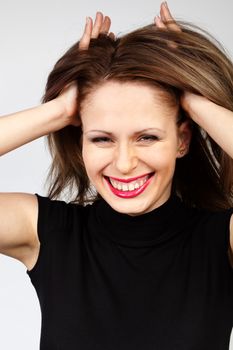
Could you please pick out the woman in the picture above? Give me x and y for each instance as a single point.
(141, 128)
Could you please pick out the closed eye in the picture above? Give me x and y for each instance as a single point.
(147, 138)
(100, 139)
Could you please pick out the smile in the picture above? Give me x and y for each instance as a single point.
(129, 190)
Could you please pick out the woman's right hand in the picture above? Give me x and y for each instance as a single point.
(102, 25)
(69, 95)
(68, 102)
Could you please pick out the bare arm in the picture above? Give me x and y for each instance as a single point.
(216, 120)
(19, 211)
(22, 127)
(18, 226)
(218, 123)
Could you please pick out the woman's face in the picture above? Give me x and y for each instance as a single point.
(129, 132)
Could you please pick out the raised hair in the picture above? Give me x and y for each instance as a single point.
(203, 178)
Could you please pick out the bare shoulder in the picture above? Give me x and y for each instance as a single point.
(18, 227)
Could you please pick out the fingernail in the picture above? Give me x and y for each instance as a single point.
(87, 20)
(165, 3)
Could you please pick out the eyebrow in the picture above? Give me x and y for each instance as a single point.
(135, 133)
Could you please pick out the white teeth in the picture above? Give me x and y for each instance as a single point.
(131, 187)
(125, 188)
(128, 186)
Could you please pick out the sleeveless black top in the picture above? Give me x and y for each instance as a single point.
(109, 281)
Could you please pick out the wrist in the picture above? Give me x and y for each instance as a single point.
(196, 105)
(57, 113)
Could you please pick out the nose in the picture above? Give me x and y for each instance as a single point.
(125, 159)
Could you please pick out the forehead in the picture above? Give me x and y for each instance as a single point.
(125, 101)
(124, 92)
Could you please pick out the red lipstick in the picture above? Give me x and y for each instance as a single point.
(129, 194)
(130, 179)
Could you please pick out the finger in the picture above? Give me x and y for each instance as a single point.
(159, 23)
(162, 13)
(76, 121)
(97, 25)
(106, 25)
(85, 39)
(166, 16)
(112, 36)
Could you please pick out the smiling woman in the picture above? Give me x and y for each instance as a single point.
(140, 132)
(142, 66)
(123, 111)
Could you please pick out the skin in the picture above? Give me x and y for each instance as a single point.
(199, 108)
(67, 99)
(122, 109)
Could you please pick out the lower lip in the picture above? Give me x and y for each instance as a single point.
(129, 194)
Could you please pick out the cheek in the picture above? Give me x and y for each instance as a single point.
(161, 157)
(94, 159)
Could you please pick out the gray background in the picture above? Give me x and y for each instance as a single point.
(33, 35)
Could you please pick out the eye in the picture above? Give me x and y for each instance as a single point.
(149, 138)
(103, 139)
(100, 139)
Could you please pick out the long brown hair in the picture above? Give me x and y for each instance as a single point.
(204, 177)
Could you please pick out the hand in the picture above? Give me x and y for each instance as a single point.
(186, 99)
(69, 95)
(216, 120)
(192, 103)
(68, 102)
(166, 17)
(102, 25)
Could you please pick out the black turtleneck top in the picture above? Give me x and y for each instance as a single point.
(110, 281)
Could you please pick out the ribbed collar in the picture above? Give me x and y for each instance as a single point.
(142, 230)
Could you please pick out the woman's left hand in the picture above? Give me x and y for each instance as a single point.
(216, 120)
(166, 21)
(189, 101)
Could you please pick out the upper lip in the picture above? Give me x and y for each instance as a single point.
(129, 180)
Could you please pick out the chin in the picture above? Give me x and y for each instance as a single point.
(131, 207)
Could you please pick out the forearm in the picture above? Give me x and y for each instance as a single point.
(217, 121)
(22, 127)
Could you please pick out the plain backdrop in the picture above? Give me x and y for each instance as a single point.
(33, 35)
